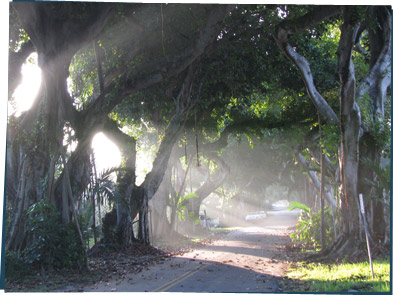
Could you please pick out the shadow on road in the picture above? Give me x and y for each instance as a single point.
(194, 275)
(243, 261)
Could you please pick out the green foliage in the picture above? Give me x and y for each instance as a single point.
(16, 266)
(379, 128)
(298, 205)
(85, 219)
(308, 233)
(46, 231)
(182, 207)
(184, 201)
(83, 77)
(17, 35)
(330, 140)
(53, 243)
(321, 54)
(105, 186)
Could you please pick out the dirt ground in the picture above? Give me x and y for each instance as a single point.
(249, 259)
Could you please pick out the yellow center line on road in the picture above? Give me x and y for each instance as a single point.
(178, 280)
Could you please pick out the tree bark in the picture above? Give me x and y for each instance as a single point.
(125, 207)
(283, 31)
(372, 92)
(42, 125)
(158, 204)
(56, 40)
(377, 82)
(349, 239)
(72, 205)
(131, 83)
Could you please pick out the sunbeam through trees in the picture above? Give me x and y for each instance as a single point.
(162, 122)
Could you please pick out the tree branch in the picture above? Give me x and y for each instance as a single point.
(309, 20)
(377, 81)
(131, 83)
(283, 30)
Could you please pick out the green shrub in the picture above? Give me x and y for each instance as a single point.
(308, 227)
(15, 266)
(73, 254)
(182, 204)
(53, 244)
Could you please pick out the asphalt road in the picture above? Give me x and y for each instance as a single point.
(248, 260)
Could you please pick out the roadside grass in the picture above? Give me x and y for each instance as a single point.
(323, 277)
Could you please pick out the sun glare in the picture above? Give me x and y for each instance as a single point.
(26, 92)
(107, 154)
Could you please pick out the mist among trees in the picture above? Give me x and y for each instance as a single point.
(228, 107)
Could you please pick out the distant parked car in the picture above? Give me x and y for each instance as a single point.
(256, 216)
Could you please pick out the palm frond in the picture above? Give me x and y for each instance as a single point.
(298, 205)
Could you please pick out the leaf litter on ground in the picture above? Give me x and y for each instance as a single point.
(107, 263)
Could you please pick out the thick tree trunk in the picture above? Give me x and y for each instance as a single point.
(374, 85)
(27, 166)
(135, 198)
(283, 30)
(177, 190)
(16, 227)
(350, 134)
(79, 167)
(372, 91)
(56, 40)
(126, 182)
(42, 125)
(158, 205)
(143, 226)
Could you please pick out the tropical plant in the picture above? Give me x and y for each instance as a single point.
(182, 205)
(308, 234)
(104, 185)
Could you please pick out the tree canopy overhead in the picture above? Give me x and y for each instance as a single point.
(300, 79)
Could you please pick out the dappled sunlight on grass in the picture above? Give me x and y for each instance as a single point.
(320, 277)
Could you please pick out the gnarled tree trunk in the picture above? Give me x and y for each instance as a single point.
(374, 84)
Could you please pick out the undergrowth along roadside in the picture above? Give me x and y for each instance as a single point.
(324, 277)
